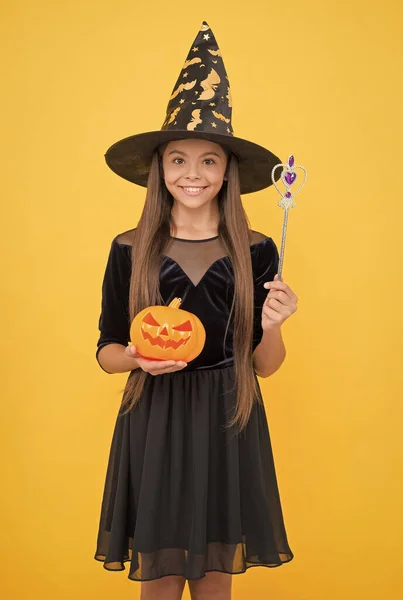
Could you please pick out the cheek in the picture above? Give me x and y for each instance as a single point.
(170, 184)
(216, 184)
(169, 175)
(215, 177)
(170, 170)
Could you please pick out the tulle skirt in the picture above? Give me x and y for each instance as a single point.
(184, 494)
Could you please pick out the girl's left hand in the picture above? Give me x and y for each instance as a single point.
(280, 304)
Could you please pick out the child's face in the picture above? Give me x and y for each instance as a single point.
(194, 171)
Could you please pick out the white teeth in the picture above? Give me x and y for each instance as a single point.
(193, 190)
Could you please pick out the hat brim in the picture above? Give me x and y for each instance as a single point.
(131, 157)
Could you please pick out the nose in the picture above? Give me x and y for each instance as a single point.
(193, 173)
(164, 331)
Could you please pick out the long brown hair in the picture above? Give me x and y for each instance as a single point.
(150, 240)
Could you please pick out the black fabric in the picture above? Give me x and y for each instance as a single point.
(183, 494)
(201, 274)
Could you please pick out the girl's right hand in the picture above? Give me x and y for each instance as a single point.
(154, 367)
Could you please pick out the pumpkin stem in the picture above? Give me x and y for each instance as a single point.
(176, 302)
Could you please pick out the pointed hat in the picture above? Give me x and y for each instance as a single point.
(200, 106)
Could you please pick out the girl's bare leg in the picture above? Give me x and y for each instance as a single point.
(214, 586)
(166, 588)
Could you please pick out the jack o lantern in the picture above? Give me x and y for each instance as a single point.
(168, 333)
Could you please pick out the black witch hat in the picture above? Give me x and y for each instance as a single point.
(200, 106)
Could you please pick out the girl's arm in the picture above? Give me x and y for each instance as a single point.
(280, 304)
(117, 358)
(270, 353)
(114, 359)
(114, 353)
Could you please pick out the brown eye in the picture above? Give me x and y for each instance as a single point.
(187, 326)
(149, 319)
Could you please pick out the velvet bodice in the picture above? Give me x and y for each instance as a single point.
(200, 273)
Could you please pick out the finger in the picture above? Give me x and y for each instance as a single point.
(177, 367)
(158, 365)
(166, 364)
(131, 350)
(280, 296)
(275, 285)
(155, 371)
(287, 309)
(280, 285)
(167, 370)
(273, 313)
(274, 304)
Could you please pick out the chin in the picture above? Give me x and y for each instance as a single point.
(193, 203)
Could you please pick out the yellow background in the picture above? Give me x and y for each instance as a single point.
(321, 80)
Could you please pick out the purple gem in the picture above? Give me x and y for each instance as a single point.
(288, 195)
(291, 161)
(290, 178)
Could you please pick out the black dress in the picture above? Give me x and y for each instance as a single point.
(183, 495)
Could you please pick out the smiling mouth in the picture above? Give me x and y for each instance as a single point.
(192, 190)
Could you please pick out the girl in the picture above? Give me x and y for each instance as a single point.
(191, 491)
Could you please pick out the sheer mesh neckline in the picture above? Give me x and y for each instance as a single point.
(210, 239)
(195, 258)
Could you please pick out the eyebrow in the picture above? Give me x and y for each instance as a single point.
(184, 153)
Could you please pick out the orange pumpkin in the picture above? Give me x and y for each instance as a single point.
(168, 333)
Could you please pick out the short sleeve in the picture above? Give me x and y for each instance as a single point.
(114, 321)
(265, 262)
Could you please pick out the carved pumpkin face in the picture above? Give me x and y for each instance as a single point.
(168, 333)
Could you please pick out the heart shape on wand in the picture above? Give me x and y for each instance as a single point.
(288, 177)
